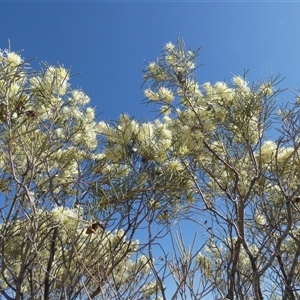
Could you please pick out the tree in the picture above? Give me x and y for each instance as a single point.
(53, 243)
(77, 193)
(244, 184)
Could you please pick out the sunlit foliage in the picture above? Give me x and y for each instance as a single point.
(86, 204)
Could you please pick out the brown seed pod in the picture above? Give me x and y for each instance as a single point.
(94, 227)
(296, 200)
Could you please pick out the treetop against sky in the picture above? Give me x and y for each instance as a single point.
(87, 205)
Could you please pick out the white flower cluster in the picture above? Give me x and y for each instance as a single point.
(54, 80)
(241, 84)
(46, 114)
(156, 72)
(166, 95)
(176, 65)
(266, 88)
(79, 98)
(205, 265)
(179, 59)
(260, 219)
(10, 59)
(152, 140)
(67, 217)
(153, 96)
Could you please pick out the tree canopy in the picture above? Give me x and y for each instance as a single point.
(87, 205)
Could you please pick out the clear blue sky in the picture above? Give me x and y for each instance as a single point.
(108, 42)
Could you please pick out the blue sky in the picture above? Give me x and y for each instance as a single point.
(109, 41)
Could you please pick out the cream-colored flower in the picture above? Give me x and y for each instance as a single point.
(149, 289)
(57, 79)
(260, 219)
(166, 95)
(171, 59)
(268, 151)
(69, 217)
(151, 95)
(153, 67)
(13, 59)
(90, 113)
(169, 46)
(175, 165)
(266, 88)
(79, 97)
(241, 84)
